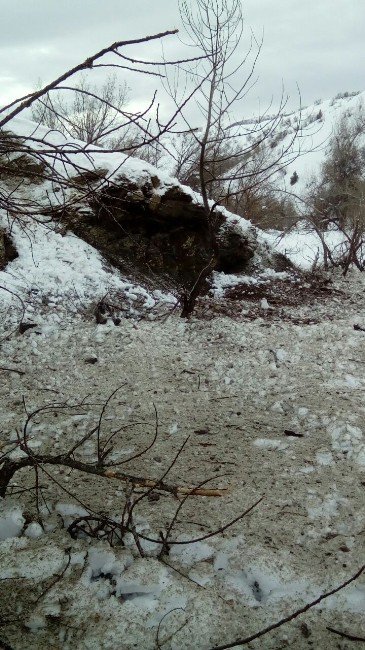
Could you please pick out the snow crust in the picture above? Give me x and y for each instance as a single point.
(61, 273)
(11, 523)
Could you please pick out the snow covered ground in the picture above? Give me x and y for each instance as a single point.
(318, 123)
(273, 409)
(60, 276)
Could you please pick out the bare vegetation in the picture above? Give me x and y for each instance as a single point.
(95, 115)
(336, 199)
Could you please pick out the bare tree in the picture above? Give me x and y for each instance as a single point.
(220, 158)
(217, 158)
(342, 171)
(88, 114)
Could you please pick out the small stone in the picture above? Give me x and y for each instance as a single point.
(23, 327)
(305, 630)
(344, 548)
(153, 496)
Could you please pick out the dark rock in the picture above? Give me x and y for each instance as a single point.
(358, 328)
(152, 235)
(153, 496)
(8, 252)
(344, 548)
(100, 318)
(235, 253)
(294, 434)
(282, 263)
(23, 327)
(305, 630)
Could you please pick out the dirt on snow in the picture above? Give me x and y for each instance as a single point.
(272, 399)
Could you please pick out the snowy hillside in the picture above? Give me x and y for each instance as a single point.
(316, 126)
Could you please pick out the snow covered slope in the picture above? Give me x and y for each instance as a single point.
(316, 126)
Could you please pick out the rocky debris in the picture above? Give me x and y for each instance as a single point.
(162, 232)
(295, 289)
(277, 299)
(92, 359)
(216, 380)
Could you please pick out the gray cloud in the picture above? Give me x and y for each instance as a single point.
(317, 45)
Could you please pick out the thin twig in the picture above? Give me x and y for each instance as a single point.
(346, 635)
(159, 643)
(19, 372)
(87, 64)
(57, 578)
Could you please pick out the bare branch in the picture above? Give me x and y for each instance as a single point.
(87, 64)
(346, 635)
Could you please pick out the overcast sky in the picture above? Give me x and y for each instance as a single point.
(317, 44)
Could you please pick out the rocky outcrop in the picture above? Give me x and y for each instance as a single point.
(162, 231)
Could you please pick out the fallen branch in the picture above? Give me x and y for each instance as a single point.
(173, 489)
(10, 467)
(207, 535)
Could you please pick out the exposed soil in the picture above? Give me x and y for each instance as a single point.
(278, 300)
(156, 235)
(294, 291)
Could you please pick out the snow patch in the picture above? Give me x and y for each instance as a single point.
(11, 523)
